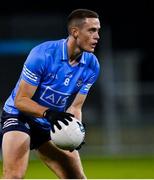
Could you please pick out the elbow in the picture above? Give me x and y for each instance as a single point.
(17, 103)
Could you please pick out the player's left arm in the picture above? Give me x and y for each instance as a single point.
(76, 106)
(91, 77)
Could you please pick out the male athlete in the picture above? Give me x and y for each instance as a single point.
(55, 80)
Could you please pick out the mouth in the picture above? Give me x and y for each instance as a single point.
(93, 45)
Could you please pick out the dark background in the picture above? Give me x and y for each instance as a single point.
(131, 22)
(130, 19)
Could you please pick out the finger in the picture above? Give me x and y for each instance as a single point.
(69, 118)
(71, 150)
(72, 115)
(53, 129)
(65, 122)
(58, 126)
(69, 114)
(79, 147)
(84, 125)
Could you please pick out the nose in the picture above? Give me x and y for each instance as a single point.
(97, 36)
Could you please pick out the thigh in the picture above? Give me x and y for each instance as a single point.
(24, 123)
(15, 152)
(65, 164)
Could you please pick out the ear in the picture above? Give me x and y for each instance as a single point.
(74, 32)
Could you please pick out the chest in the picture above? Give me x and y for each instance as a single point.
(65, 77)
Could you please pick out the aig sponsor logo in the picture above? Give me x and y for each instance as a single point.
(54, 98)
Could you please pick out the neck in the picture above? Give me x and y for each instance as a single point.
(73, 50)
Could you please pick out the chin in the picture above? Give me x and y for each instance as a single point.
(89, 50)
(92, 50)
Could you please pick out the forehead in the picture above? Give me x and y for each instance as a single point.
(91, 22)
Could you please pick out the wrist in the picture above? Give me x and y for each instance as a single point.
(46, 112)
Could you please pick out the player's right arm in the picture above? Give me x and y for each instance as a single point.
(24, 102)
(33, 70)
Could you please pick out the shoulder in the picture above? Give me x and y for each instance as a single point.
(92, 61)
(44, 51)
(47, 45)
(49, 50)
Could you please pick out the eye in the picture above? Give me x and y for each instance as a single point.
(93, 30)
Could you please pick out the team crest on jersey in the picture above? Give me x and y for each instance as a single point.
(79, 83)
(68, 75)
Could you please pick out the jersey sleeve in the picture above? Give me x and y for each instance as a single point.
(33, 67)
(92, 76)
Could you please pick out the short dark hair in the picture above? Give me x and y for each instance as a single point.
(77, 15)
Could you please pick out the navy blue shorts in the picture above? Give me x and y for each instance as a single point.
(21, 122)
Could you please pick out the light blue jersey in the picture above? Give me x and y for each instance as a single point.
(57, 82)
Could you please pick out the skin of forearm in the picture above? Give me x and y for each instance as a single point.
(76, 111)
(30, 107)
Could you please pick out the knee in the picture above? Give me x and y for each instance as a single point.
(12, 174)
(81, 176)
(77, 174)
